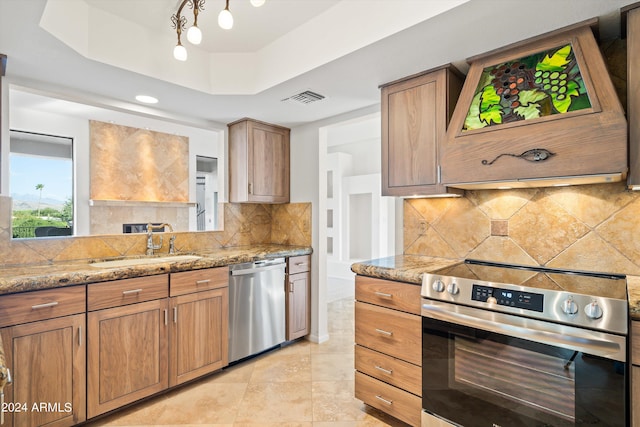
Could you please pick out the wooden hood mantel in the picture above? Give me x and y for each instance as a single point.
(537, 113)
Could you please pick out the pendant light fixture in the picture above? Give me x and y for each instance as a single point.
(194, 34)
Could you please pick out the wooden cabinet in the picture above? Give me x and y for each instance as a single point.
(44, 341)
(415, 115)
(631, 15)
(540, 112)
(199, 323)
(258, 162)
(127, 342)
(388, 352)
(298, 297)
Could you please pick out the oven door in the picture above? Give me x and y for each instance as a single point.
(487, 369)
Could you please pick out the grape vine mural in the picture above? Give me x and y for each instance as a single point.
(538, 85)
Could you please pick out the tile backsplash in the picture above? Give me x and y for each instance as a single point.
(589, 227)
(244, 224)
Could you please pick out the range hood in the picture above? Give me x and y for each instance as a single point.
(538, 113)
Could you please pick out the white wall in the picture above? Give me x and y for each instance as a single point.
(308, 158)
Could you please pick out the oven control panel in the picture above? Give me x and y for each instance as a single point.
(508, 297)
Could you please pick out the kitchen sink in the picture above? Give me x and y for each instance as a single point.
(143, 261)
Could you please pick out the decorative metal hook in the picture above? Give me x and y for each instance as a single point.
(534, 155)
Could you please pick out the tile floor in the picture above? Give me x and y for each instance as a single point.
(301, 385)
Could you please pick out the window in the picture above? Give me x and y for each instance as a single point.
(41, 184)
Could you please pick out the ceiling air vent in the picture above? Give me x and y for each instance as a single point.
(306, 97)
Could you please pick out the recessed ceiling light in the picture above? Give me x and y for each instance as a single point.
(147, 99)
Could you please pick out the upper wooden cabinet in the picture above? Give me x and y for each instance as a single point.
(631, 16)
(415, 114)
(258, 162)
(537, 113)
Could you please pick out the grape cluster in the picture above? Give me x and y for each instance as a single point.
(508, 81)
(553, 81)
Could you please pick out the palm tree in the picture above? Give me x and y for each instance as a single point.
(39, 187)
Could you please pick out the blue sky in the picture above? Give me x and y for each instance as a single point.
(28, 171)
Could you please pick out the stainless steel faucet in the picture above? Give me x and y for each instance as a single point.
(150, 246)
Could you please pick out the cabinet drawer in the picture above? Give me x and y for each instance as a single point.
(389, 369)
(396, 295)
(126, 291)
(389, 331)
(298, 264)
(40, 305)
(187, 282)
(391, 400)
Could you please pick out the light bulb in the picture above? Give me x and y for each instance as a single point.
(194, 35)
(180, 52)
(257, 3)
(225, 19)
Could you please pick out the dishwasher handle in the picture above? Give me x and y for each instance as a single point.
(253, 270)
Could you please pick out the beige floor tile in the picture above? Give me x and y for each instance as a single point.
(277, 367)
(276, 402)
(337, 343)
(332, 367)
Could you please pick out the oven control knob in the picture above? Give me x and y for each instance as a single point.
(492, 300)
(438, 286)
(453, 288)
(569, 306)
(593, 310)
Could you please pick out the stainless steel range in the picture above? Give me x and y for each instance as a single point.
(512, 346)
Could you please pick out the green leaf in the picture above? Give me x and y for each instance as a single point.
(473, 116)
(490, 108)
(527, 97)
(557, 61)
(530, 111)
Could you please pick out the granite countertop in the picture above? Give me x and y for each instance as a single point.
(33, 277)
(410, 268)
(633, 292)
(402, 268)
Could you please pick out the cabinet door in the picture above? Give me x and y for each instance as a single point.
(298, 312)
(268, 163)
(199, 332)
(47, 361)
(412, 134)
(127, 354)
(415, 113)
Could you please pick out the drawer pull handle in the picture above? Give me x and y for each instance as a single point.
(383, 332)
(386, 371)
(388, 402)
(301, 263)
(45, 305)
(132, 291)
(202, 282)
(384, 295)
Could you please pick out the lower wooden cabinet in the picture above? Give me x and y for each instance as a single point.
(141, 341)
(388, 351)
(43, 334)
(127, 354)
(198, 337)
(47, 362)
(298, 297)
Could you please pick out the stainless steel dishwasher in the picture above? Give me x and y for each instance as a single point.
(256, 307)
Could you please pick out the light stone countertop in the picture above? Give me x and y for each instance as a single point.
(633, 292)
(34, 277)
(402, 268)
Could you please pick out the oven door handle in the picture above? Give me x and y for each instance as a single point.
(591, 342)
